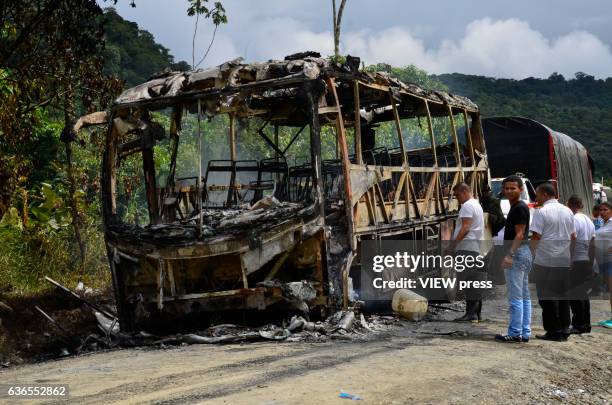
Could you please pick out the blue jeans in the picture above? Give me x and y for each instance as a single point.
(519, 299)
(606, 269)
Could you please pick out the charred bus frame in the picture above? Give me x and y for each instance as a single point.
(298, 248)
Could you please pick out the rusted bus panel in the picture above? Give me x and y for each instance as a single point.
(428, 192)
(152, 285)
(369, 200)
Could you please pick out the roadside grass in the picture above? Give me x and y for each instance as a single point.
(28, 255)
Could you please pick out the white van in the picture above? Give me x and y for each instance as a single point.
(527, 196)
(599, 195)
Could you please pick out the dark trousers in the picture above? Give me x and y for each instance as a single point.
(473, 273)
(580, 274)
(473, 296)
(552, 285)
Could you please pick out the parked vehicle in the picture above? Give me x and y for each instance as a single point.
(541, 154)
(599, 193)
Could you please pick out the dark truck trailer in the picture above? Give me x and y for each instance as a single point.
(517, 144)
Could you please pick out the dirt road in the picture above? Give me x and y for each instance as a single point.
(414, 363)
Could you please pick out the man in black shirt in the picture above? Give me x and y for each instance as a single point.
(517, 263)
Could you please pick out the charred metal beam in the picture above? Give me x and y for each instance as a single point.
(470, 146)
(175, 130)
(456, 141)
(232, 136)
(268, 140)
(312, 92)
(357, 112)
(398, 128)
(199, 180)
(78, 297)
(148, 165)
(195, 95)
(345, 164)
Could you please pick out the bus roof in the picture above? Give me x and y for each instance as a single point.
(235, 76)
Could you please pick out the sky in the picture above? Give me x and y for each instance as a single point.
(497, 38)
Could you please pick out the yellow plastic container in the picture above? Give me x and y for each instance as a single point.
(409, 305)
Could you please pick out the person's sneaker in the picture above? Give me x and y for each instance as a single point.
(554, 338)
(605, 324)
(508, 339)
(525, 339)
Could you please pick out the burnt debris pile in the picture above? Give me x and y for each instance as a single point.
(343, 325)
(99, 327)
(261, 216)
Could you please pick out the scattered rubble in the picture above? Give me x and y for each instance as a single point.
(341, 325)
(76, 325)
(48, 317)
(5, 308)
(78, 297)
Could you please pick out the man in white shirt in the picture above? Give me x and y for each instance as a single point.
(552, 230)
(582, 267)
(469, 231)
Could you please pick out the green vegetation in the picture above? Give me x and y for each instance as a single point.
(54, 67)
(579, 107)
(131, 53)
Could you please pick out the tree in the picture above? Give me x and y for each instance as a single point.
(410, 74)
(337, 16)
(131, 52)
(556, 77)
(51, 60)
(39, 43)
(579, 107)
(215, 13)
(51, 66)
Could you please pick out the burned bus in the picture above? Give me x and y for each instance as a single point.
(252, 186)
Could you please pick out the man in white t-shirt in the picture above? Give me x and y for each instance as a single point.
(582, 267)
(469, 231)
(469, 225)
(552, 231)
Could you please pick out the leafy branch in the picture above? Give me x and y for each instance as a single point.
(216, 13)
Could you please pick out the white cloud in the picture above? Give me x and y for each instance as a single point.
(502, 48)
(274, 38)
(499, 48)
(438, 43)
(395, 46)
(222, 50)
(267, 38)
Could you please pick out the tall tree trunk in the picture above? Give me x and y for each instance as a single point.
(67, 138)
(337, 25)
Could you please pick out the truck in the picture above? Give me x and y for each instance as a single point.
(345, 155)
(518, 144)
